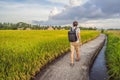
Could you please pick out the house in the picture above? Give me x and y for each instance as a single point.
(56, 29)
(50, 28)
(63, 29)
(20, 28)
(28, 29)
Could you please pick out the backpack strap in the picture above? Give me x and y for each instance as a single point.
(75, 29)
(71, 29)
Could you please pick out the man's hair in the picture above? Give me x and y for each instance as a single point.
(75, 23)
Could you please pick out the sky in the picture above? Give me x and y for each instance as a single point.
(89, 13)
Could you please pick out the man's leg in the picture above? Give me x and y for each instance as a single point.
(72, 53)
(77, 48)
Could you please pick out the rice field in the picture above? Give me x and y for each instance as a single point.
(23, 53)
(113, 54)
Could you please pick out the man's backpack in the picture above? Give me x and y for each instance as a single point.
(72, 35)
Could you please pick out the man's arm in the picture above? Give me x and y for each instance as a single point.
(78, 35)
(80, 39)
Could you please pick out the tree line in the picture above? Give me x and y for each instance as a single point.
(24, 26)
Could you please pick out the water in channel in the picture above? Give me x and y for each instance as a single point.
(99, 70)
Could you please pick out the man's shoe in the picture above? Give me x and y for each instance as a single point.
(77, 60)
(71, 64)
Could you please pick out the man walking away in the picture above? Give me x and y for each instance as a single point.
(74, 38)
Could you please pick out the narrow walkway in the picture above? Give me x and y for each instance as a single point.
(61, 69)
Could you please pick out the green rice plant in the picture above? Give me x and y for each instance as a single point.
(113, 54)
(23, 53)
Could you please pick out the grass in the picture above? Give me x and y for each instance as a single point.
(23, 53)
(113, 54)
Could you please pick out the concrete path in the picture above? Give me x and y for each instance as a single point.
(61, 69)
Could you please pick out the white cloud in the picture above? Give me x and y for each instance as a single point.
(106, 23)
(77, 2)
(54, 12)
(87, 12)
(59, 1)
(15, 12)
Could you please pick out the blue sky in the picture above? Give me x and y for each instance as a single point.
(96, 13)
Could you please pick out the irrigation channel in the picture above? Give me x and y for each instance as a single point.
(99, 70)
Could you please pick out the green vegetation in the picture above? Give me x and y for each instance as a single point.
(23, 53)
(113, 54)
(24, 26)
